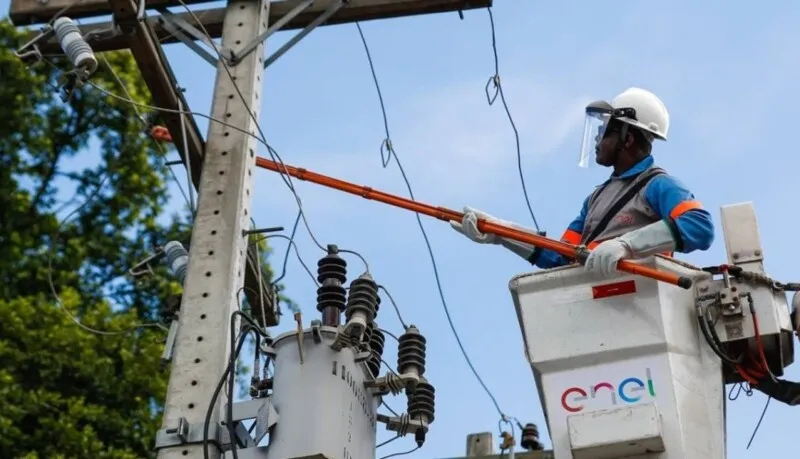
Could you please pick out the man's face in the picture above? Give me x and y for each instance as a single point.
(604, 153)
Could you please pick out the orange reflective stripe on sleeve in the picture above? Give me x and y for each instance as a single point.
(684, 207)
(571, 237)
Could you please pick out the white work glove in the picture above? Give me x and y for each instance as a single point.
(603, 259)
(644, 242)
(469, 226)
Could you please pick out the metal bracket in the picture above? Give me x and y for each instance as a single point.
(169, 345)
(403, 424)
(34, 55)
(144, 268)
(264, 414)
(176, 26)
(316, 332)
(189, 434)
(278, 25)
(343, 340)
(332, 9)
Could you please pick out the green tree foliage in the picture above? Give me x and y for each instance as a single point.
(66, 392)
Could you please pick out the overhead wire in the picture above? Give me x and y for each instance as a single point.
(262, 137)
(51, 283)
(159, 148)
(758, 424)
(54, 239)
(394, 305)
(400, 454)
(389, 440)
(286, 254)
(391, 153)
(498, 87)
(293, 245)
(135, 106)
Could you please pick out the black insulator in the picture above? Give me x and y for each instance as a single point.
(421, 402)
(331, 296)
(332, 266)
(530, 438)
(331, 274)
(411, 351)
(363, 297)
(376, 343)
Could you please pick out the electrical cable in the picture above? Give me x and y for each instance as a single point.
(292, 244)
(272, 152)
(391, 410)
(91, 198)
(495, 79)
(288, 248)
(53, 290)
(394, 305)
(739, 387)
(260, 138)
(401, 454)
(232, 374)
(387, 332)
(392, 153)
(52, 248)
(136, 106)
(758, 424)
(222, 381)
(159, 148)
(387, 441)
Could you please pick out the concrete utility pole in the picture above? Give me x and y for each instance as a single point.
(217, 251)
(221, 169)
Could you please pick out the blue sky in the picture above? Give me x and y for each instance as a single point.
(725, 70)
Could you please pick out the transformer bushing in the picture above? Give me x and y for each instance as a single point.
(411, 352)
(530, 438)
(362, 301)
(376, 344)
(422, 407)
(331, 295)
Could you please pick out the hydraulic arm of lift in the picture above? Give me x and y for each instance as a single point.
(578, 253)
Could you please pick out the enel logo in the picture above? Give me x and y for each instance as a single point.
(629, 390)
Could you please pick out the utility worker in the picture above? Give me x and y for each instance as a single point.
(638, 212)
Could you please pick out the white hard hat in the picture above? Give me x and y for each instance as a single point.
(650, 113)
(636, 107)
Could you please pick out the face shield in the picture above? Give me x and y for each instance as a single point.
(597, 116)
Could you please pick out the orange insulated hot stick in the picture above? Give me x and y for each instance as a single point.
(577, 253)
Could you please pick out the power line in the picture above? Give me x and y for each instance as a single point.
(159, 148)
(52, 249)
(498, 87)
(758, 424)
(387, 143)
(273, 154)
(401, 454)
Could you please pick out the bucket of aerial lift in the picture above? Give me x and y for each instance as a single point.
(619, 363)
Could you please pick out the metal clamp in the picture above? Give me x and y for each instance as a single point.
(189, 434)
